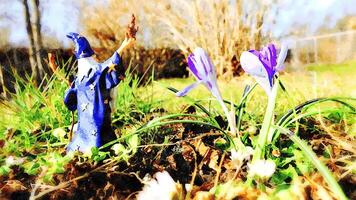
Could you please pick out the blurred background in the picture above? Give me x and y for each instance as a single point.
(317, 31)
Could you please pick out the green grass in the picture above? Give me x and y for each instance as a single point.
(339, 69)
(31, 119)
(313, 82)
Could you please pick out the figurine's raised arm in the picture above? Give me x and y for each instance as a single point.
(113, 66)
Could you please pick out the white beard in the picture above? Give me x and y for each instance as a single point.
(84, 65)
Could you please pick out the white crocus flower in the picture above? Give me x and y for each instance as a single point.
(161, 188)
(263, 169)
(11, 160)
(237, 157)
(59, 133)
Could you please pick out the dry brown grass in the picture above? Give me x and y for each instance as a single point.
(223, 28)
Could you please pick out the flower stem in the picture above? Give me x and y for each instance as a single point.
(266, 125)
(229, 118)
(232, 124)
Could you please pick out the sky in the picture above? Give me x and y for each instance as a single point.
(312, 14)
(62, 16)
(58, 18)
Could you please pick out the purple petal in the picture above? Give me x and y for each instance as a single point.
(265, 62)
(282, 57)
(210, 85)
(264, 55)
(272, 55)
(209, 67)
(268, 58)
(192, 66)
(254, 52)
(203, 61)
(252, 65)
(205, 67)
(187, 89)
(200, 64)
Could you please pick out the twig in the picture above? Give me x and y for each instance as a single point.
(65, 184)
(180, 142)
(195, 168)
(54, 68)
(219, 170)
(131, 174)
(60, 186)
(71, 128)
(32, 196)
(204, 157)
(238, 168)
(128, 197)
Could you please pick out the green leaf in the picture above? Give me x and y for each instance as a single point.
(303, 164)
(48, 178)
(118, 149)
(327, 152)
(281, 176)
(335, 117)
(94, 152)
(31, 168)
(312, 157)
(98, 155)
(4, 170)
(221, 143)
(133, 141)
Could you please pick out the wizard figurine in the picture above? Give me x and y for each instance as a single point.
(89, 93)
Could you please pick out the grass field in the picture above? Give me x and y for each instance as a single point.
(311, 82)
(158, 131)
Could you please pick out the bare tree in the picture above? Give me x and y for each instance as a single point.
(35, 38)
(36, 28)
(32, 48)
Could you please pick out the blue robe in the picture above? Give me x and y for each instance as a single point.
(90, 96)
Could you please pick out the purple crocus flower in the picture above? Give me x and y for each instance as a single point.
(264, 64)
(204, 71)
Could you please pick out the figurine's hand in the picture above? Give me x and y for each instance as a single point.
(130, 36)
(128, 42)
